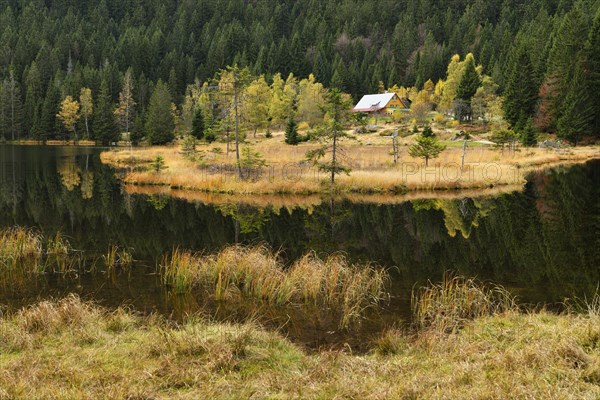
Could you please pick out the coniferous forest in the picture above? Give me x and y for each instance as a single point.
(109, 61)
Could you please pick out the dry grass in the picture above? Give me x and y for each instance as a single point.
(371, 162)
(20, 246)
(72, 349)
(257, 273)
(447, 306)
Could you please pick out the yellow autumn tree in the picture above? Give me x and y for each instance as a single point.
(311, 99)
(255, 108)
(69, 114)
(455, 73)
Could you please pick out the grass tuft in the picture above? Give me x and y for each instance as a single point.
(19, 243)
(257, 273)
(447, 306)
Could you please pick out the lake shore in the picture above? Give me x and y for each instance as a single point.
(73, 349)
(373, 171)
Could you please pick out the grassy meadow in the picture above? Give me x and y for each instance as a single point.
(369, 155)
(65, 349)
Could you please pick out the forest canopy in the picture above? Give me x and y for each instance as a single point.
(50, 50)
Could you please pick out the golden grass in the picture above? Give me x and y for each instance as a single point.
(447, 306)
(372, 169)
(19, 243)
(72, 349)
(257, 273)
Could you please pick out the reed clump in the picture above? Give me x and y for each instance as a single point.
(447, 306)
(58, 245)
(18, 243)
(116, 256)
(258, 273)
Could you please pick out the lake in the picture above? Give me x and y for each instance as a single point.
(543, 244)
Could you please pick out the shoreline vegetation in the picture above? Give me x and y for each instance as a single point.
(69, 348)
(373, 171)
(467, 339)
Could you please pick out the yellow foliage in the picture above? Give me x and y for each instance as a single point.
(69, 113)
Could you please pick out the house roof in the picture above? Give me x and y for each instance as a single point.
(374, 102)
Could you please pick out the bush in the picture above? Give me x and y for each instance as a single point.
(439, 119)
(303, 126)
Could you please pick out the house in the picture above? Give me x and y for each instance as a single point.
(384, 104)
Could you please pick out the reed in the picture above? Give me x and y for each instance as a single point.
(19, 243)
(117, 257)
(258, 273)
(446, 307)
(58, 245)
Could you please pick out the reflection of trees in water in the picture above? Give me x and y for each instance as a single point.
(459, 215)
(546, 237)
(247, 219)
(69, 171)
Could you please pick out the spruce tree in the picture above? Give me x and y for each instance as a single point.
(104, 124)
(48, 124)
(565, 54)
(592, 54)
(521, 93)
(198, 124)
(160, 124)
(291, 132)
(578, 113)
(469, 83)
(528, 134)
(426, 147)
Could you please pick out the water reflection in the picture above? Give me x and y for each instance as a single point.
(542, 243)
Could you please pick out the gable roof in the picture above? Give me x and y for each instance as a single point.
(374, 102)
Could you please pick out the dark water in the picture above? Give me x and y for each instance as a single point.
(543, 243)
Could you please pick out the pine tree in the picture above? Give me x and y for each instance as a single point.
(337, 105)
(428, 132)
(104, 124)
(291, 132)
(426, 147)
(160, 124)
(198, 124)
(521, 93)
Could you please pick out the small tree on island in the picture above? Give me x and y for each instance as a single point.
(291, 132)
(337, 108)
(427, 146)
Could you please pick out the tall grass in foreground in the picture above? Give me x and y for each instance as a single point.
(18, 243)
(447, 306)
(257, 273)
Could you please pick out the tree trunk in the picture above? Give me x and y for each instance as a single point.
(334, 157)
